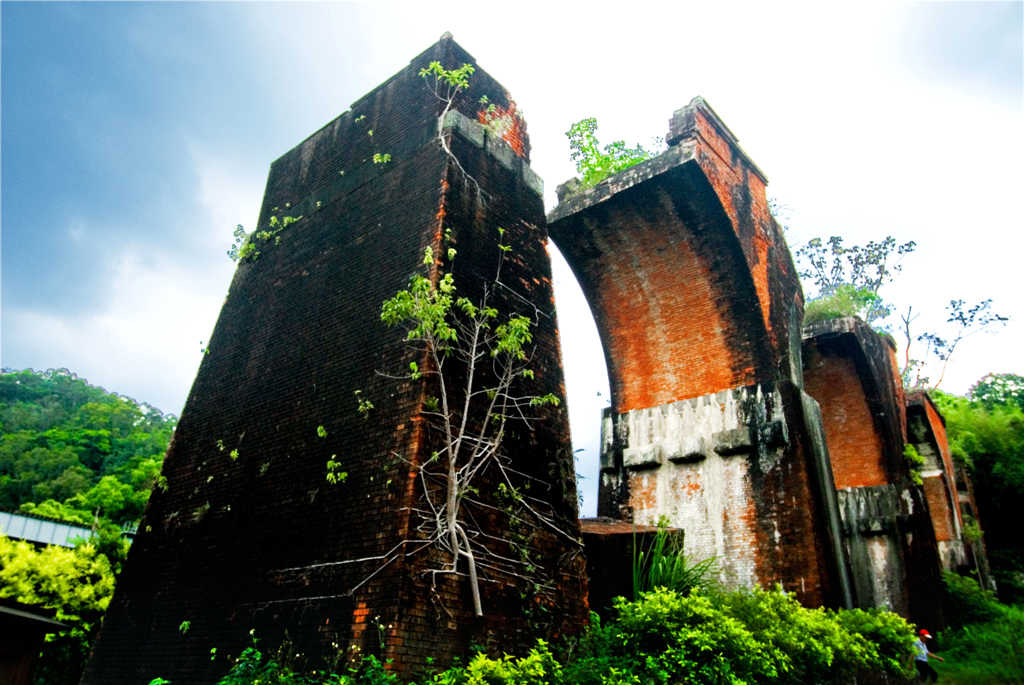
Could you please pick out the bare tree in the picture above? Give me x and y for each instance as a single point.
(966, 322)
(476, 360)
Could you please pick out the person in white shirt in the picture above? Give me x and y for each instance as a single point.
(925, 672)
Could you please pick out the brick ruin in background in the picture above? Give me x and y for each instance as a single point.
(715, 421)
(263, 541)
(899, 536)
(851, 370)
(948, 490)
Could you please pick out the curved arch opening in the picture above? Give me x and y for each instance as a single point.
(586, 378)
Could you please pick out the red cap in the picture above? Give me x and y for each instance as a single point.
(924, 633)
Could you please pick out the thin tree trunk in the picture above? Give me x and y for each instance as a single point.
(473, 583)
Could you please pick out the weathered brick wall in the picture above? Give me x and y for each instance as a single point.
(851, 370)
(262, 541)
(687, 461)
(740, 186)
(874, 531)
(938, 504)
(853, 441)
(665, 296)
(977, 549)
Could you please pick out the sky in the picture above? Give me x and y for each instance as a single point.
(135, 136)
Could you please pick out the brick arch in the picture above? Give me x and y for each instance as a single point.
(670, 288)
(699, 309)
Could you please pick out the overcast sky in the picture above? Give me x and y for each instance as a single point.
(136, 135)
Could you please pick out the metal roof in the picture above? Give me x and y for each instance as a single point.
(41, 530)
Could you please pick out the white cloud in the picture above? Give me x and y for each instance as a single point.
(230, 192)
(144, 345)
(160, 307)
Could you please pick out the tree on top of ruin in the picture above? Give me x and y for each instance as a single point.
(847, 279)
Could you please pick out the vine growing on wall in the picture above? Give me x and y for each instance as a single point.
(245, 243)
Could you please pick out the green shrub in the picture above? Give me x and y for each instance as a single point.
(821, 646)
(969, 603)
(738, 637)
(536, 668)
(78, 583)
(915, 461)
(889, 638)
(594, 165)
(285, 667)
(846, 301)
(668, 638)
(252, 668)
(988, 653)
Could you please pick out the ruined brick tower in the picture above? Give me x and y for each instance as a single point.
(699, 309)
(852, 371)
(248, 534)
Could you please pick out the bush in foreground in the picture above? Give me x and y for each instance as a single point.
(985, 646)
(739, 638)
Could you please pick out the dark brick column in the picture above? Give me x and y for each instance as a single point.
(248, 533)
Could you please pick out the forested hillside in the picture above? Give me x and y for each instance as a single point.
(986, 434)
(73, 451)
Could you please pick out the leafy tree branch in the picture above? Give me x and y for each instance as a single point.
(594, 164)
(965, 322)
(475, 360)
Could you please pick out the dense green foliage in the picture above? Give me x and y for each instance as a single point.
(73, 452)
(285, 667)
(985, 646)
(988, 436)
(749, 637)
(78, 583)
(1002, 389)
(733, 638)
(594, 164)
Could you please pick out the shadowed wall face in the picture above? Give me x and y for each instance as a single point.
(249, 534)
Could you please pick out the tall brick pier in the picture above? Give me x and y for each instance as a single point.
(699, 309)
(248, 534)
